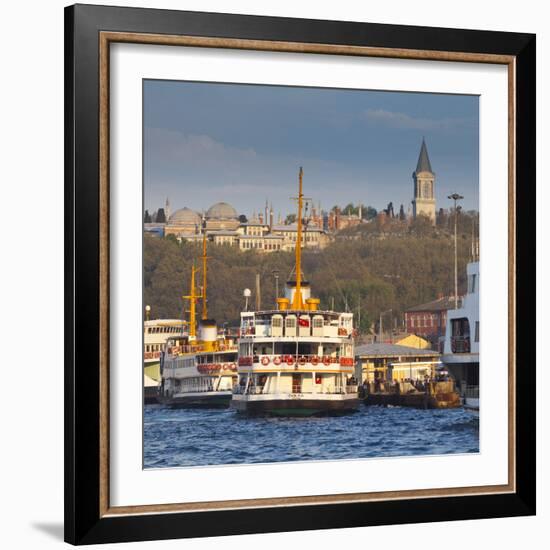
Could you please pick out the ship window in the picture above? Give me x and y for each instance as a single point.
(472, 285)
(460, 327)
(317, 322)
(290, 322)
(277, 321)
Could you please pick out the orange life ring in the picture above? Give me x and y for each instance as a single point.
(265, 360)
(233, 366)
(302, 360)
(277, 359)
(326, 360)
(289, 360)
(315, 360)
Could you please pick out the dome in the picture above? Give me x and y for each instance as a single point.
(184, 216)
(221, 211)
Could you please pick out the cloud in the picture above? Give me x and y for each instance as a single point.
(172, 145)
(394, 119)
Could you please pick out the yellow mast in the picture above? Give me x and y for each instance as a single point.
(204, 258)
(193, 298)
(297, 302)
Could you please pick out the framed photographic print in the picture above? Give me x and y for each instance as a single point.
(299, 274)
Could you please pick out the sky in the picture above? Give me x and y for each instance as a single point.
(243, 144)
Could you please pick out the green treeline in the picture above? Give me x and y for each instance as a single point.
(380, 272)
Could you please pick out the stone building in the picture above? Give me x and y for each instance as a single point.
(424, 180)
(222, 226)
(429, 320)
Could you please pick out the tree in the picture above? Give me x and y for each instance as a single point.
(350, 209)
(161, 216)
(291, 218)
(147, 217)
(243, 218)
(369, 213)
(422, 225)
(172, 238)
(402, 216)
(442, 219)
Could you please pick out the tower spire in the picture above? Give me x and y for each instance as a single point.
(424, 180)
(423, 164)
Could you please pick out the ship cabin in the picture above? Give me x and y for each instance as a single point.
(296, 351)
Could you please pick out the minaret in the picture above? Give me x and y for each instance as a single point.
(271, 218)
(167, 209)
(424, 179)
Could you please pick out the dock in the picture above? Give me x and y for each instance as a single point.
(421, 395)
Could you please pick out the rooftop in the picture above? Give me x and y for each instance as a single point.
(391, 350)
(444, 303)
(294, 227)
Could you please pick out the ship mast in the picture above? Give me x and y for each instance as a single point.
(298, 302)
(193, 298)
(204, 259)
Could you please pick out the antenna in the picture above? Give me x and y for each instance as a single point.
(298, 302)
(204, 272)
(193, 298)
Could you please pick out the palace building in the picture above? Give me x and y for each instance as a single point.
(222, 225)
(424, 180)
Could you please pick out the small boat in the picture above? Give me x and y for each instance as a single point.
(296, 359)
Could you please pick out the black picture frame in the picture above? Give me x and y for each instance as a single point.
(84, 523)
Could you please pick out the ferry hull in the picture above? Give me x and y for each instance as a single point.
(151, 395)
(210, 400)
(296, 407)
(152, 370)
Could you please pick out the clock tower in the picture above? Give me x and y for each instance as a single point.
(424, 179)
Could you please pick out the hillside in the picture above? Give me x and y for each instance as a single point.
(379, 271)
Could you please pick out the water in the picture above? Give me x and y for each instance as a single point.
(200, 437)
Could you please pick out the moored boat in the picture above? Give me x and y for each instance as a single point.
(461, 347)
(296, 359)
(199, 369)
(155, 334)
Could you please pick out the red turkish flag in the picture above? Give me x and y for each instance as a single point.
(303, 322)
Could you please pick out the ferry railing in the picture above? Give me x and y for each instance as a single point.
(472, 392)
(260, 390)
(299, 359)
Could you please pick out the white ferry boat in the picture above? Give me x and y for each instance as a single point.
(155, 334)
(461, 347)
(296, 359)
(199, 369)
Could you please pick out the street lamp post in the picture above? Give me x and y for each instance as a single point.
(380, 323)
(456, 197)
(276, 275)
